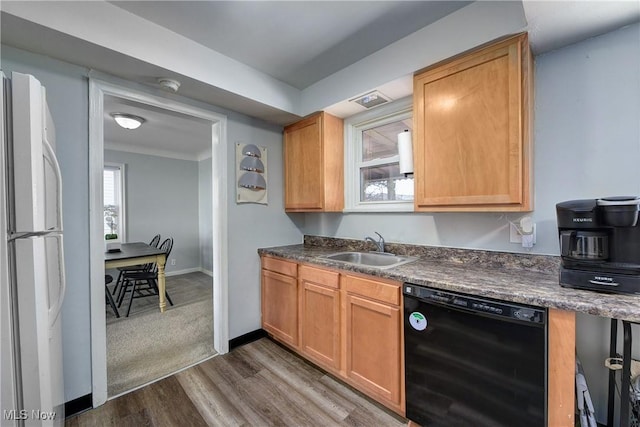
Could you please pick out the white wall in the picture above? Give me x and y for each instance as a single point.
(587, 145)
(162, 197)
(250, 226)
(205, 214)
(95, 22)
(587, 138)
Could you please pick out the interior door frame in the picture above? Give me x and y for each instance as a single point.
(98, 89)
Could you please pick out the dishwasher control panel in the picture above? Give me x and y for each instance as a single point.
(489, 306)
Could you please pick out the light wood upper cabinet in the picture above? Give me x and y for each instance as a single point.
(320, 316)
(314, 164)
(280, 299)
(472, 142)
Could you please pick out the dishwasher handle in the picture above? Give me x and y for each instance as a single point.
(502, 309)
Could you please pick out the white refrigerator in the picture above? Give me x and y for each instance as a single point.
(32, 275)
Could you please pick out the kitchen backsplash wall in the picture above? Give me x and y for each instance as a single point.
(586, 145)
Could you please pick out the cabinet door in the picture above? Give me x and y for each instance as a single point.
(280, 306)
(471, 141)
(373, 348)
(304, 186)
(320, 324)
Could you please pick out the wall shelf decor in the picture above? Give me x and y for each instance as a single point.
(251, 174)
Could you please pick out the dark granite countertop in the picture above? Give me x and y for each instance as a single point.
(523, 278)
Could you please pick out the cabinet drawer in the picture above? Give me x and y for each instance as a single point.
(319, 276)
(279, 266)
(379, 291)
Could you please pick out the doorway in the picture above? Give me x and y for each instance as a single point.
(99, 92)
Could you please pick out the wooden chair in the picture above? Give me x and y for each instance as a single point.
(145, 283)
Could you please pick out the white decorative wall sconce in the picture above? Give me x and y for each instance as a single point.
(251, 174)
(253, 164)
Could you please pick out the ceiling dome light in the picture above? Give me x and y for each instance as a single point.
(128, 121)
(169, 84)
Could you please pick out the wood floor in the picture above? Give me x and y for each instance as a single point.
(259, 384)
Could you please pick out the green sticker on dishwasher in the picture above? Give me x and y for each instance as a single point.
(418, 321)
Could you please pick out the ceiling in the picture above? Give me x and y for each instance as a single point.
(289, 46)
(297, 42)
(164, 133)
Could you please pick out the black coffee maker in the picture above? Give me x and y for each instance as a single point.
(600, 244)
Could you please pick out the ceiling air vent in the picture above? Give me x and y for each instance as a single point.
(371, 99)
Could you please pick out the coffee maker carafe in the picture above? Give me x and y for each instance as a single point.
(600, 244)
(584, 245)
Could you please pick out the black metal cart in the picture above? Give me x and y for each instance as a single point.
(628, 414)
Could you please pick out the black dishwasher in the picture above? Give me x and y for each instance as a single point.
(473, 361)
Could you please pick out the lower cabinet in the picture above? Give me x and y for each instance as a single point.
(320, 316)
(350, 325)
(373, 324)
(280, 300)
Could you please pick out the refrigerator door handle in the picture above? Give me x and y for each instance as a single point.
(55, 310)
(56, 168)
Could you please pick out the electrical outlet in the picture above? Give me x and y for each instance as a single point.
(515, 237)
(173, 261)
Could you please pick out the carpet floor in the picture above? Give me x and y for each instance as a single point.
(149, 345)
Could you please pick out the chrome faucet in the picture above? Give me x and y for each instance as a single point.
(379, 243)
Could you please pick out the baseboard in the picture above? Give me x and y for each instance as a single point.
(247, 338)
(189, 270)
(75, 406)
(185, 271)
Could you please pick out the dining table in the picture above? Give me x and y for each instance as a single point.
(137, 253)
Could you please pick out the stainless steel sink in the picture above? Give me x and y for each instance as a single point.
(371, 259)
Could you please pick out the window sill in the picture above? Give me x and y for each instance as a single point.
(379, 208)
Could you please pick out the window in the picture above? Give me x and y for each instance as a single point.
(373, 179)
(114, 209)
